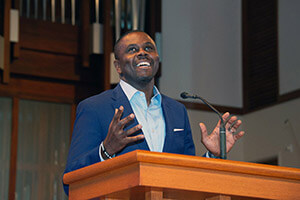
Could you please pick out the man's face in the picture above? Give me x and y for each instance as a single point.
(138, 60)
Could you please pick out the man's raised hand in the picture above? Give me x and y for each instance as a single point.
(117, 138)
(212, 141)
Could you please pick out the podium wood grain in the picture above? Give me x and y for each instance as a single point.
(151, 175)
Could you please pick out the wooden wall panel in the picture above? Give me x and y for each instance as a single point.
(48, 36)
(48, 65)
(39, 90)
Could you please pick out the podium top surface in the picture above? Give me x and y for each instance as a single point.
(168, 159)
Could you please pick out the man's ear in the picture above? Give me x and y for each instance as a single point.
(118, 66)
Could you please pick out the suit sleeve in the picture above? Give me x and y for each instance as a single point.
(189, 147)
(86, 138)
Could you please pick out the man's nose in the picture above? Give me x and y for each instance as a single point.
(142, 53)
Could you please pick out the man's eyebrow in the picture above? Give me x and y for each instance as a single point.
(130, 45)
(136, 45)
(149, 43)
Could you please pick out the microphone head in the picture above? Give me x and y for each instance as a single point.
(184, 95)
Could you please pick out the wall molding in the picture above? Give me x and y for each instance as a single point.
(203, 107)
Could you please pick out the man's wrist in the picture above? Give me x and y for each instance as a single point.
(105, 155)
(210, 155)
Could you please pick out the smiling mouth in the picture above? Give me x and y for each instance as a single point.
(143, 65)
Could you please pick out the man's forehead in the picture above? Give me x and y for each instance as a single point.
(136, 38)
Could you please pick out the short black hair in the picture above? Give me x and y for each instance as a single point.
(122, 36)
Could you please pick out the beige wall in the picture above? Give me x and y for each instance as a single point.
(199, 50)
(271, 132)
(289, 45)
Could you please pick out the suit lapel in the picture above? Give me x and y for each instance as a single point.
(119, 99)
(168, 123)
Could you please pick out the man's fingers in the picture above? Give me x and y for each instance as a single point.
(203, 129)
(227, 119)
(232, 123)
(239, 135)
(126, 120)
(234, 126)
(230, 119)
(225, 116)
(118, 114)
(133, 130)
(237, 124)
(134, 138)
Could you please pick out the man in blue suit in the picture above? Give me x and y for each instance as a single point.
(134, 115)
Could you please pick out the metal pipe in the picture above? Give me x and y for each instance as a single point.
(118, 18)
(135, 14)
(53, 10)
(21, 8)
(63, 16)
(73, 12)
(142, 15)
(36, 9)
(97, 10)
(44, 10)
(28, 9)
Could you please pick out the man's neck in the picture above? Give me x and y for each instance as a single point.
(146, 88)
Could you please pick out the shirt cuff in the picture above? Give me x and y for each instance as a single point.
(210, 155)
(101, 158)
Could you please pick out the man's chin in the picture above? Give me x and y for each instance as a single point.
(142, 80)
(145, 79)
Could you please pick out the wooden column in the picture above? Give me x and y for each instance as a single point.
(13, 149)
(154, 194)
(17, 45)
(219, 197)
(155, 17)
(6, 32)
(85, 33)
(73, 117)
(108, 43)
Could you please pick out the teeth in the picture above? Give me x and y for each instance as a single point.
(143, 64)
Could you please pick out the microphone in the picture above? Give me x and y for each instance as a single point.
(223, 153)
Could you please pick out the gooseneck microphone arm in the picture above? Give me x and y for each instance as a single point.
(223, 153)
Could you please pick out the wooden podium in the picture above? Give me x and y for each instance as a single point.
(151, 175)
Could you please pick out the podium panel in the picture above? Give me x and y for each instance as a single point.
(152, 175)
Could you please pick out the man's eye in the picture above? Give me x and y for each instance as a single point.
(148, 48)
(132, 50)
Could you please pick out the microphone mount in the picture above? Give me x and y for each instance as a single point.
(223, 153)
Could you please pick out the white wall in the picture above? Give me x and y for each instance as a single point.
(201, 49)
(201, 54)
(271, 131)
(201, 43)
(289, 45)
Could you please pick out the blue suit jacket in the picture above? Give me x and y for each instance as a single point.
(93, 118)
